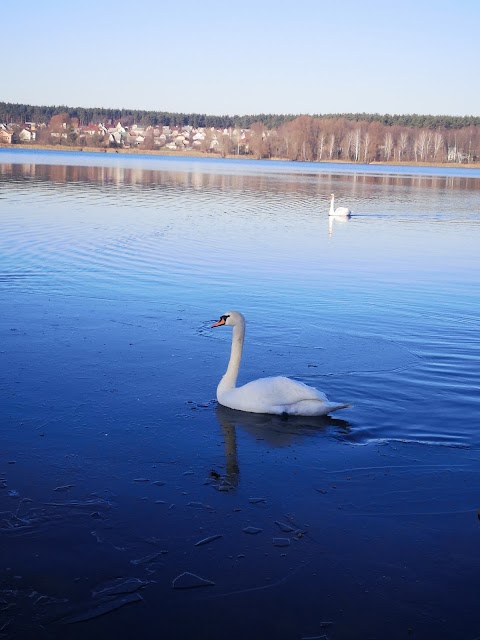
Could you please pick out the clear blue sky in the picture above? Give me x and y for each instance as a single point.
(254, 56)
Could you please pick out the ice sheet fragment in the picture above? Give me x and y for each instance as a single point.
(64, 487)
(120, 586)
(189, 580)
(102, 609)
(147, 559)
(199, 505)
(209, 539)
(286, 528)
(252, 530)
(281, 542)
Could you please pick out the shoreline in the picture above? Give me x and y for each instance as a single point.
(204, 155)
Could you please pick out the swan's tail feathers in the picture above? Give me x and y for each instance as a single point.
(334, 406)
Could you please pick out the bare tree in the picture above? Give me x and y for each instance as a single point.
(402, 144)
(422, 145)
(149, 143)
(348, 145)
(257, 141)
(357, 139)
(321, 145)
(438, 144)
(388, 146)
(366, 147)
(332, 146)
(59, 122)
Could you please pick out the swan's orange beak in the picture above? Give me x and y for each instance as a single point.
(219, 323)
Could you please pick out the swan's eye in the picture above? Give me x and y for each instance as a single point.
(224, 318)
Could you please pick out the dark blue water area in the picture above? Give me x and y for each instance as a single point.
(119, 471)
(116, 470)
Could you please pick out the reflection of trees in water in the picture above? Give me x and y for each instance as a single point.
(209, 177)
(270, 431)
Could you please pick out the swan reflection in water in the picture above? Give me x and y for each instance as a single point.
(269, 430)
(333, 221)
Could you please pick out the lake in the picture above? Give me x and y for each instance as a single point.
(132, 504)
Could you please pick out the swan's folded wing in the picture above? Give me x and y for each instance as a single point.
(266, 395)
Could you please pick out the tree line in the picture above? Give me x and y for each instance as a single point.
(362, 138)
(20, 113)
(314, 139)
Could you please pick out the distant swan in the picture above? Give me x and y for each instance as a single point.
(277, 395)
(341, 212)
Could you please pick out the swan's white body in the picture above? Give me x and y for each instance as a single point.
(339, 212)
(277, 395)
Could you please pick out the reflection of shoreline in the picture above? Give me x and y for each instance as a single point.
(116, 172)
(269, 430)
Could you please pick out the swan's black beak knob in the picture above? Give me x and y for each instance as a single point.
(220, 322)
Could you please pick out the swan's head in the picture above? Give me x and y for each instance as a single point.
(332, 195)
(230, 318)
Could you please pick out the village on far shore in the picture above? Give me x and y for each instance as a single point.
(303, 138)
(184, 138)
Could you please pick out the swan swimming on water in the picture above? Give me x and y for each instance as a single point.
(341, 212)
(277, 395)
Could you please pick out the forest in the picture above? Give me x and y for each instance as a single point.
(312, 138)
(20, 113)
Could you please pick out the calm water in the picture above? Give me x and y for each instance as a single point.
(116, 459)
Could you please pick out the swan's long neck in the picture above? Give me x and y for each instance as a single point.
(332, 209)
(229, 380)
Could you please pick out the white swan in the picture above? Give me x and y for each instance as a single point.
(341, 212)
(277, 395)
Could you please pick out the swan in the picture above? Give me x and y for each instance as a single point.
(276, 395)
(341, 212)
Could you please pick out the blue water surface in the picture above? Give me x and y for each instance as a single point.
(116, 459)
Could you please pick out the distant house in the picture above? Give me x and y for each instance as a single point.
(160, 140)
(136, 130)
(115, 137)
(131, 139)
(90, 130)
(26, 135)
(117, 129)
(6, 135)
